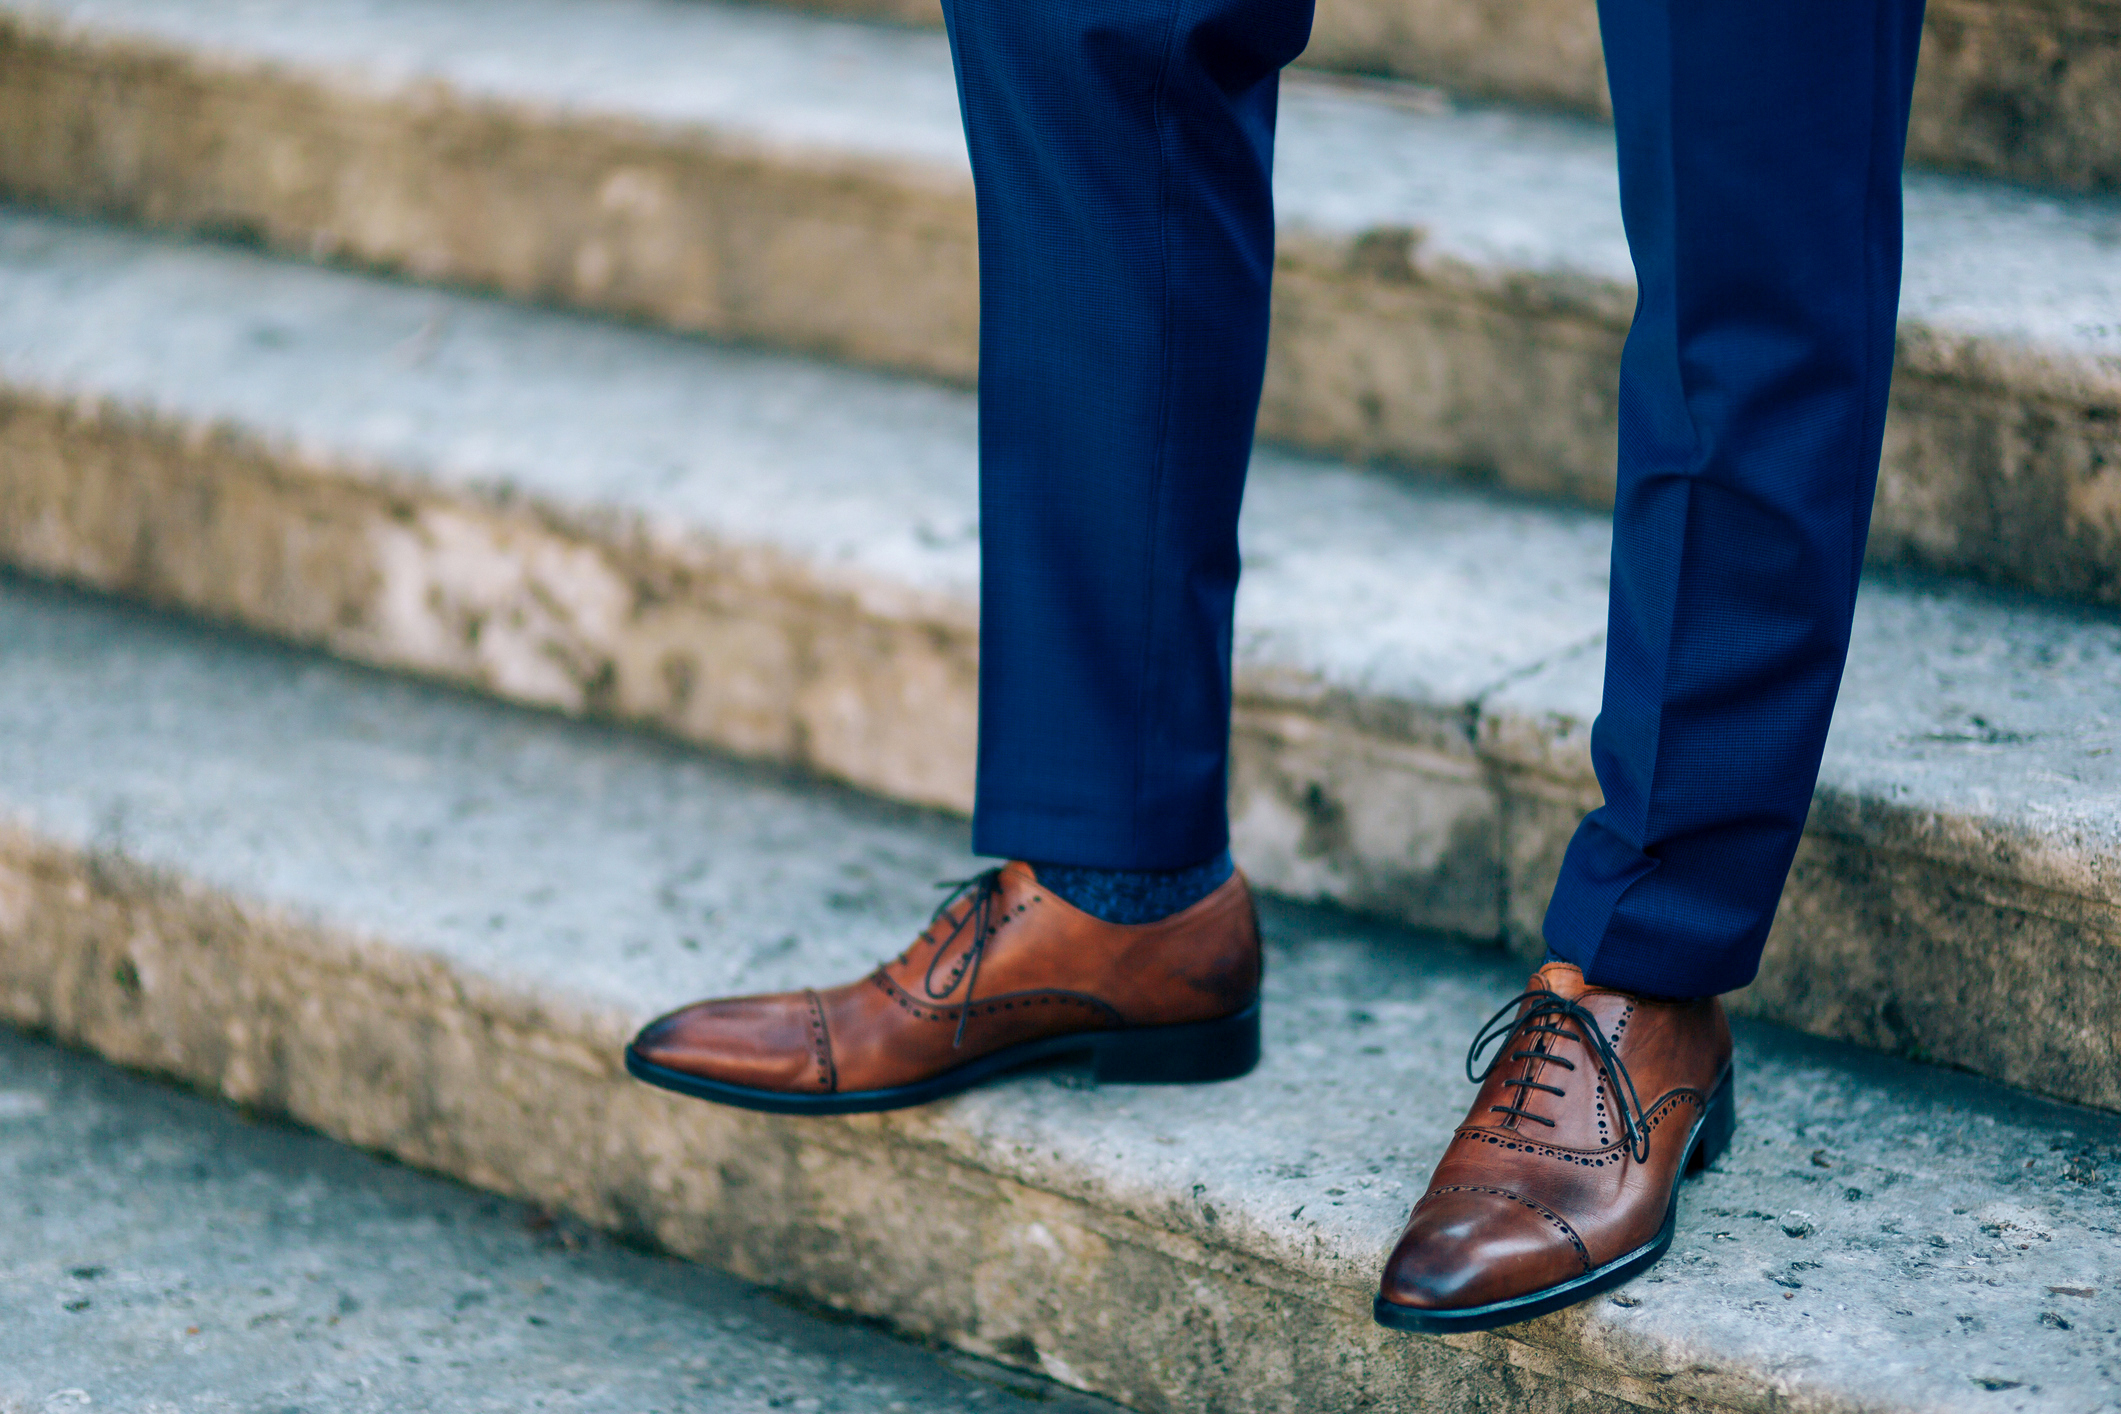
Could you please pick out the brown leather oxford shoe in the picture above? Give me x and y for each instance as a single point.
(1563, 1181)
(1006, 973)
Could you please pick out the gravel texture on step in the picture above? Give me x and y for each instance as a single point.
(1452, 291)
(423, 922)
(161, 1252)
(780, 558)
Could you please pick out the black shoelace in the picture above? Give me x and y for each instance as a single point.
(1546, 1017)
(985, 888)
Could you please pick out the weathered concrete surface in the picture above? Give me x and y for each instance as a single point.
(773, 557)
(780, 559)
(751, 174)
(1453, 286)
(2025, 90)
(1967, 794)
(424, 923)
(2030, 92)
(158, 1253)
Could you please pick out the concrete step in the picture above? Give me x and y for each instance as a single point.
(2023, 92)
(1453, 286)
(160, 1252)
(780, 559)
(424, 924)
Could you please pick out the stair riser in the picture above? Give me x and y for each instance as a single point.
(524, 1096)
(866, 261)
(2002, 485)
(2027, 93)
(1403, 824)
(1386, 806)
(1993, 465)
(732, 647)
(1881, 941)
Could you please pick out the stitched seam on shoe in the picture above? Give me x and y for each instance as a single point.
(821, 1044)
(994, 1006)
(1592, 1158)
(1582, 1253)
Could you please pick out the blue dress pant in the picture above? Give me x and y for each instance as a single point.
(1122, 154)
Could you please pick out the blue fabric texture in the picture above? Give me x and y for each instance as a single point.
(1760, 151)
(1121, 152)
(1135, 895)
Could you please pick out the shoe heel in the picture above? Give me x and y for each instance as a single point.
(1180, 1055)
(1717, 1126)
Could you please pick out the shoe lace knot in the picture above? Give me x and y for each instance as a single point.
(1551, 1015)
(985, 891)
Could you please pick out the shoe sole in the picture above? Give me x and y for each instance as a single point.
(1711, 1136)
(1144, 1055)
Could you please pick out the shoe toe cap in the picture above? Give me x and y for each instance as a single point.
(1476, 1247)
(762, 1043)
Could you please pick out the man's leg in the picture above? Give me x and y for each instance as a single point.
(1760, 150)
(1122, 152)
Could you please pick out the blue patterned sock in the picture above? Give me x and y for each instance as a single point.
(1135, 895)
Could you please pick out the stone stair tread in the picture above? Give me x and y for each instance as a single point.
(1498, 196)
(1547, 55)
(1987, 721)
(775, 77)
(838, 466)
(863, 479)
(1513, 194)
(1881, 1237)
(1988, 709)
(160, 1252)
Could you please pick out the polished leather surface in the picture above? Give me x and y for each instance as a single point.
(1047, 969)
(1517, 1206)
